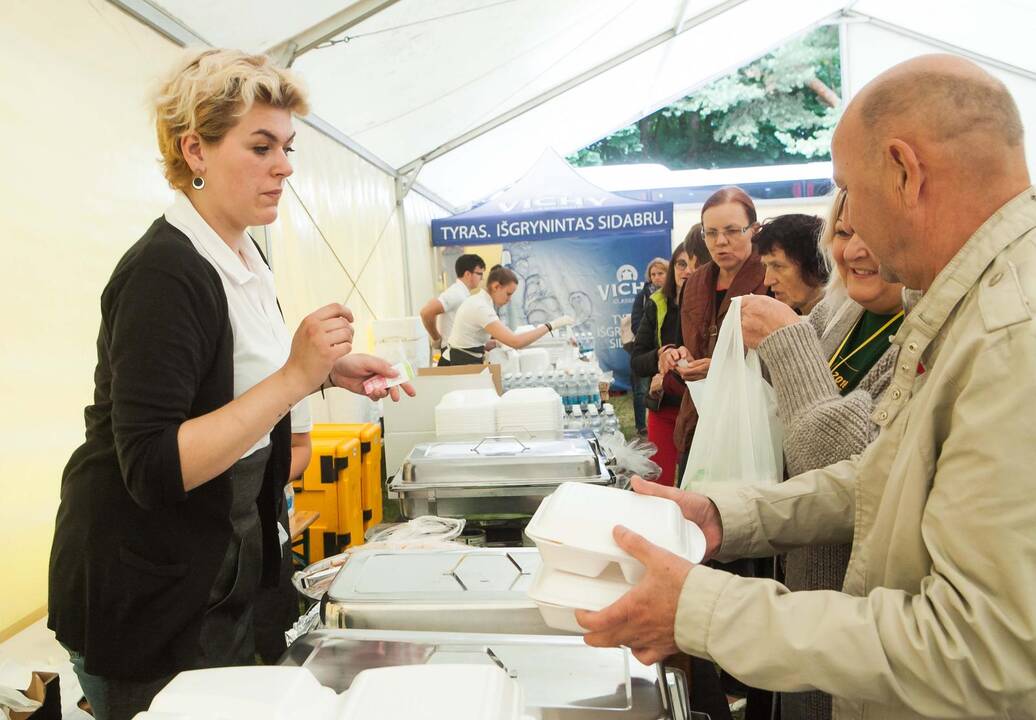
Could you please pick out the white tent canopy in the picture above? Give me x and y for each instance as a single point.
(463, 93)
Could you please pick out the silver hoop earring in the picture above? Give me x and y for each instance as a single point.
(198, 182)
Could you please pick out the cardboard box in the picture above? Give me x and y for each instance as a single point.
(453, 370)
(417, 414)
(46, 688)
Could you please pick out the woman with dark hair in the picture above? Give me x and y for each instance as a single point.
(796, 270)
(477, 322)
(659, 329)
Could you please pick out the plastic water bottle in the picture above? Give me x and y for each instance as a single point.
(610, 422)
(508, 381)
(567, 390)
(576, 419)
(595, 390)
(585, 393)
(594, 420)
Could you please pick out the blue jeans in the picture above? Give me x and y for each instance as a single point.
(112, 698)
(641, 385)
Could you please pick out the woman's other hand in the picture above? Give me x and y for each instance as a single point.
(761, 316)
(351, 371)
(694, 370)
(656, 385)
(669, 357)
(322, 337)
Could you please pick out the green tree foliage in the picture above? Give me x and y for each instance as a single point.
(782, 108)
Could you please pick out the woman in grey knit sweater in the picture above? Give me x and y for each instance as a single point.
(828, 371)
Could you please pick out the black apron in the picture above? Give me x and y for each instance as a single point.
(462, 356)
(227, 636)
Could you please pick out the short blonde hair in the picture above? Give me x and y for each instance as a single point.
(208, 92)
(656, 261)
(827, 236)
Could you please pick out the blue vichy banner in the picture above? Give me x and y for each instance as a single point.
(595, 280)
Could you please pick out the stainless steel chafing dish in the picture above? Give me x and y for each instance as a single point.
(463, 590)
(495, 477)
(563, 678)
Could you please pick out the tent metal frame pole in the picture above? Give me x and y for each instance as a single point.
(174, 30)
(943, 45)
(286, 52)
(160, 21)
(569, 84)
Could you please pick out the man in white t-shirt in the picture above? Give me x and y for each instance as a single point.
(470, 269)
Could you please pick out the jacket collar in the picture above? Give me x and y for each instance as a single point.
(183, 216)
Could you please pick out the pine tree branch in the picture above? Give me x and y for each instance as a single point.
(826, 95)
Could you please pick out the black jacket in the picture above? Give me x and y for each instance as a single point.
(644, 357)
(134, 556)
(639, 303)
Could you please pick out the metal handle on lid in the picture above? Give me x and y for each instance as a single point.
(499, 437)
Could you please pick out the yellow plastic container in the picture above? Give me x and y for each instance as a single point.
(331, 485)
(371, 460)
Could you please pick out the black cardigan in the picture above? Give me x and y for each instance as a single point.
(644, 356)
(134, 556)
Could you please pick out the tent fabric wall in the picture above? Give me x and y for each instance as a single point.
(872, 50)
(83, 182)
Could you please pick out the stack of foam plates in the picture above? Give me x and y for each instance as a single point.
(583, 567)
(530, 410)
(534, 360)
(466, 413)
(434, 692)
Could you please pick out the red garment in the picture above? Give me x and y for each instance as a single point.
(661, 424)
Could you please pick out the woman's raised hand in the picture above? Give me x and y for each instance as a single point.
(323, 337)
(761, 316)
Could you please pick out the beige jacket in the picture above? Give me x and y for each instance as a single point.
(937, 617)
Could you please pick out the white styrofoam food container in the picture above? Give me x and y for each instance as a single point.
(572, 529)
(245, 693)
(558, 594)
(434, 692)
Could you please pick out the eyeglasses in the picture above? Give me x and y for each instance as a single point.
(730, 234)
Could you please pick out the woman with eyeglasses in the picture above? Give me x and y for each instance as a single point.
(828, 371)
(728, 220)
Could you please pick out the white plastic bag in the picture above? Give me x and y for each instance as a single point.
(739, 439)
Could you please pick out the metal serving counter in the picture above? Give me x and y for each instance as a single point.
(497, 477)
(563, 679)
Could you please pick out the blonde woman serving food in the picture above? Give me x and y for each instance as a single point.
(167, 524)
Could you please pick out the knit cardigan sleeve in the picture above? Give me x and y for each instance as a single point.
(821, 426)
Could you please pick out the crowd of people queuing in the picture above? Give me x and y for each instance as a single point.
(898, 336)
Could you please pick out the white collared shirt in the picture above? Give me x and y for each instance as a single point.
(261, 340)
(469, 327)
(451, 298)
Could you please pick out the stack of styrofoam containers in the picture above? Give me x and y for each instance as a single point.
(431, 692)
(434, 692)
(532, 410)
(507, 358)
(534, 360)
(402, 338)
(583, 567)
(466, 413)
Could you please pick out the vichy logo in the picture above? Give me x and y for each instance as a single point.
(626, 287)
(626, 273)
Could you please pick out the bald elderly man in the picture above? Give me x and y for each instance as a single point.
(937, 617)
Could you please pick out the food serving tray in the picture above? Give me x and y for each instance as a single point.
(463, 590)
(562, 678)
